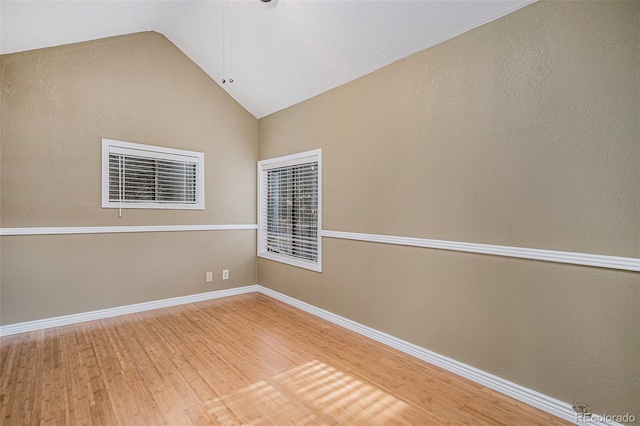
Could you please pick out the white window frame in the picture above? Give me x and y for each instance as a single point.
(273, 163)
(151, 151)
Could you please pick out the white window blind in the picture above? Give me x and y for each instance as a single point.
(144, 176)
(290, 209)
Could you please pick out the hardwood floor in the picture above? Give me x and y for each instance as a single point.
(240, 360)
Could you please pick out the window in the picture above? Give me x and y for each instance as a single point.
(290, 209)
(151, 177)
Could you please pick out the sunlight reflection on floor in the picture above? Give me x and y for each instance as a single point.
(311, 392)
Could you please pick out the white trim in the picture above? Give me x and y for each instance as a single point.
(59, 230)
(291, 160)
(596, 260)
(289, 260)
(518, 392)
(288, 160)
(24, 327)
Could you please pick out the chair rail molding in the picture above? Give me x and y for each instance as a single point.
(573, 258)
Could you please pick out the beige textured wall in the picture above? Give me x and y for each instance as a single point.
(523, 132)
(57, 104)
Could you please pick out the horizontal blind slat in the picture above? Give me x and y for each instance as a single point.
(168, 179)
(290, 201)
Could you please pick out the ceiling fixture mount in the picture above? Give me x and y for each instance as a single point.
(224, 79)
(224, 70)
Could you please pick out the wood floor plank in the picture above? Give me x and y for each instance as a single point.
(76, 388)
(101, 414)
(242, 360)
(55, 407)
(190, 386)
(169, 405)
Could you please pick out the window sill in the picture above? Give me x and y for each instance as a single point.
(313, 266)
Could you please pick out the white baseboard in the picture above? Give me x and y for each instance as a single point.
(24, 327)
(520, 393)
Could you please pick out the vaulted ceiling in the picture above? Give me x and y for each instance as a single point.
(277, 53)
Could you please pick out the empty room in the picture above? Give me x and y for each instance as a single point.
(320, 212)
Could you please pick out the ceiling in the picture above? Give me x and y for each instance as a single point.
(278, 53)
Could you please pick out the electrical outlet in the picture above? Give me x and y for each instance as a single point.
(225, 274)
(209, 277)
